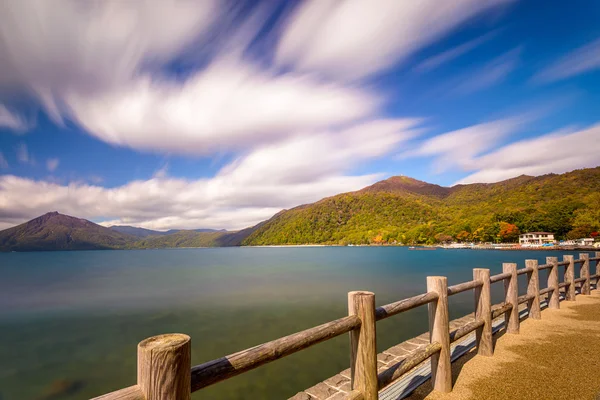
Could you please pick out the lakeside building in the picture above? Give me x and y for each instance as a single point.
(536, 238)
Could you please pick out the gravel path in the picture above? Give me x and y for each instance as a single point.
(557, 357)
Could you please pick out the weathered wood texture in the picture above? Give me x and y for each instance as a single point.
(130, 393)
(500, 277)
(553, 300)
(483, 311)
(511, 292)
(597, 266)
(463, 287)
(363, 345)
(223, 368)
(354, 395)
(464, 330)
(163, 367)
(525, 298)
(570, 277)
(533, 289)
(585, 273)
(441, 373)
(525, 270)
(544, 266)
(396, 371)
(547, 290)
(500, 309)
(404, 305)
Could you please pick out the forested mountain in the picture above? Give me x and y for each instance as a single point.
(397, 210)
(54, 231)
(406, 211)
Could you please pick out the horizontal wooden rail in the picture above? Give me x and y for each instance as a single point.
(218, 370)
(544, 266)
(547, 290)
(563, 263)
(500, 309)
(579, 260)
(462, 287)
(582, 279)
(563, 284)
(524, 270)
(388, 310)
(464, 330)
(524, 298)
(396, 371)
(594, 258)
(500, 277)
(129, 393)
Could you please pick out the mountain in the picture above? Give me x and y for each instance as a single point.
(142, 232)
(135, 231)
(54, 231)
(398, 210)
(407, 211)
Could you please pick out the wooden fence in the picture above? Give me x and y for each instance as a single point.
(164, 361)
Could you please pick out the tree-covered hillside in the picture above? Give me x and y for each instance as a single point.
(407, 211)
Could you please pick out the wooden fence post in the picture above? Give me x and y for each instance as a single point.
(441, 372)
(164, 364)
(585, 273)
(483, 310)
(597, 270)
(569, 278)
(553, 300)
(511, 291)
(363, 345)
(533, 289)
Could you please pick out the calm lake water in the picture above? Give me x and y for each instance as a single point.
(70, 321)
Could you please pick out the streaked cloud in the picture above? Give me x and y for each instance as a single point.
(12, 121)
(3, 162)
(354, 39)
(579, 61)
(301, 169)
(489, 74)
(23, 155)
(436, 61)
(555, 152)
(457, 148)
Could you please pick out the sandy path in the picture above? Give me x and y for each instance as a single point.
(557, 357)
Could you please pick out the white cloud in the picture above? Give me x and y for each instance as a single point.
(11, 120)
(453, 53)
(579, 61)
(301, 169)
(354, 39)
(555, 152)
(489, 74)
(458, 147)
(52, 164)
(99, 65)
(230, 105)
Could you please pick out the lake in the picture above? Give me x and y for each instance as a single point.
(70, 321)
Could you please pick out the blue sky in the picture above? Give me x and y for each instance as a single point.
(219, 114)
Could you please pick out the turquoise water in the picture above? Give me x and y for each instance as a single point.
(70, 321)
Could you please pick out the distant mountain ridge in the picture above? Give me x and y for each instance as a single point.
(55, 231)
(398, 210)
(142, 232)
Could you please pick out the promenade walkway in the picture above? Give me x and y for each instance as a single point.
(556, 357)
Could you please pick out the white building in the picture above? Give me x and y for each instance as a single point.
(585, 242)
(536, 238)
